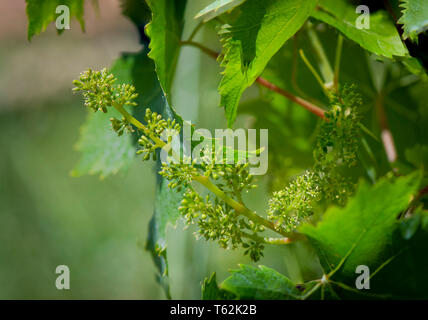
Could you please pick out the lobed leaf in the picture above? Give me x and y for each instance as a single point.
(404, 274)
(414, 18)
(260, 283)
(381, 38)
(102, 151)
(211, 291)
(250, 41)
(359, 233)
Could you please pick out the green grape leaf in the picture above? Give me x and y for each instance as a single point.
(102, 151)
(41, 13)
(401, 273)
(251, 39)
(414, 18)
(164, 32)
(359, 233)
(217, 8)
(211, 291)
(404, 275)
(381, 38)
(260, 283)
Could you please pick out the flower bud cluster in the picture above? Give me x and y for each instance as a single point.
(100, 92)
(288, 207)
(157, 126)
(336, 148)
(218, 221)
(232, 178)
(337, 142)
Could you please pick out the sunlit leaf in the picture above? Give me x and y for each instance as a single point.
(359, 233)
(165, 34)
(250, 41)
(211, 291)
(259, 283)
(414, 18)
(381, 37)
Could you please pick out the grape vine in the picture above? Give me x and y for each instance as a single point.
(348, 178)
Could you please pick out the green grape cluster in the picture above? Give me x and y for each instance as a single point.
(157, 125)
(216, 220)
(158, 128)
(232, 178)
(100, 92)
(337, 145)
(180, 175)
(336, 148)
(125, 95)
(337, 141)
(288, 207)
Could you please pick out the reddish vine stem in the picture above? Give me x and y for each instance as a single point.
(206, 50)
(300, 101)
(265, 83)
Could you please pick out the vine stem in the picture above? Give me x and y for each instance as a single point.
(204, 49)
(265, 83)
(138, 124)
(207, 183)
(281, 241)
(241, 209)
(313, 71)
(300, 101)
(196, 30)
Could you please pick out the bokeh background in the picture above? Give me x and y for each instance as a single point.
(96, 227)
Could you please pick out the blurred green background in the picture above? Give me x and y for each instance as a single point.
(95, 227)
